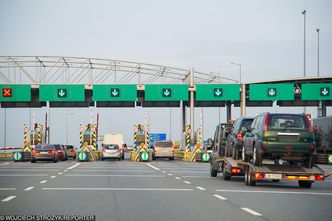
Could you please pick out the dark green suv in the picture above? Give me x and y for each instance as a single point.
(288, 137)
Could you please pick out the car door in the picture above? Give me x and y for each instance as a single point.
(249, 137)
(258, 132)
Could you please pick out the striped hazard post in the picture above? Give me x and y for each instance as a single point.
(135, 134)
(81, 136)
(188, 138)
(147, 137)
(39, 135)
(26, 129)
(94, 139)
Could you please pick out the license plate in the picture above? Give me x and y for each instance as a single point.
(43, 152)
(273, 176)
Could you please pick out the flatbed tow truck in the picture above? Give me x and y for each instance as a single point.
(268, 171)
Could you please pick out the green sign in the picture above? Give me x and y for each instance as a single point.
(114, 92)
(166, 92)
(17, 156)
(81, 156)
(217, 92)
(317, 91)
(15, 93)
(205, 156)
(271, 92)
(144, 156)
(62, 93)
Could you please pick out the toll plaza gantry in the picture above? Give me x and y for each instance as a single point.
(37, 81)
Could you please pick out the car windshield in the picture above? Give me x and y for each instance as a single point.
(286, 121)
(111, 147)
(58, 147)
(45, 147)
(164, 144)
(246, 123)
(38, 147)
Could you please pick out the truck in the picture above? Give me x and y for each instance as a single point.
(269, 170)
(323, 138)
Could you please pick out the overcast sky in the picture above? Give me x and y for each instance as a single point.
(266, 37)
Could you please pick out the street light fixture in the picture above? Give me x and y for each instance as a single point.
(67, 114)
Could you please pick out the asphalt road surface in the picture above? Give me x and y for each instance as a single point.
(159, 190)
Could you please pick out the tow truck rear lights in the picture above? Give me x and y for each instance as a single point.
(303, 178)
(291, 177)
(239, 136)
(260, 175)
(319, 177)
(266, 121)
(236, 170)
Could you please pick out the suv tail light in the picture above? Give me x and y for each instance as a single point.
(307, 122)
(239, 136)
(51, 151)
(266, 121)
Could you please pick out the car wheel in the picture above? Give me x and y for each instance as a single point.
(55, 161)
(153, 158)
(224, 173)
(171, 158)
(33, 161)
(309, 162)
(119, 159)
(305, 184)
(213, 172)
(244, 155)
(257, 158)
(246, 175)
(102, 159)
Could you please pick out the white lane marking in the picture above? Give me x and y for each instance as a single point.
(219, 197)
(29, 188)
(113, 175)
(169, 174)
(23, 174)
(131, 171)
(7, 189)
(251, 212)
(200, 188)
(178, 178)
(188, 171)
(187, 182)
(8, 198)
(28, 170)
(198, 177)
(60, 173)
(52, 177)
(44, 181)
(275, 192)
(153, 167)
(163, 171)
(65, 170)
(120, 189)
(72, 167)
(4, 163)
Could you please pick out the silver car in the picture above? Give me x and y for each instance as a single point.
(111, 151)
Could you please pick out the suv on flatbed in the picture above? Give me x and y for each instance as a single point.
(277, 136)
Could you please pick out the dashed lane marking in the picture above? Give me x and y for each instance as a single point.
(153, 167)
(7, 189)
(29, 188)
(8, 199)
(275, 192)
(178, 178)
(52, 177)
(112, 175)
(251, 212)
(187, 182)
(119, 189)
(200, 188)
(169, 174)
(60, 173)
(72, 167)
(219, 197)
(44, 181)
(23, 174)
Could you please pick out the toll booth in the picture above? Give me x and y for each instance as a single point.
(88, 143)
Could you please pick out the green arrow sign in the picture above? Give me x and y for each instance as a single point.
(167, 92)
(62, 92)
(17, 156)
(115, 92)
(324, 91)
(271, 92)
(217, 92)
(316, 91)
(144, 156)
(205, 157)
(15, 93)
(81, 156)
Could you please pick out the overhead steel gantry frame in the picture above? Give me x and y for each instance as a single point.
(37, 70)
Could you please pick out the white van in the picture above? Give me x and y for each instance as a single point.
(111, 140)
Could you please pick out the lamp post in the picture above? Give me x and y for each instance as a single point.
(240, 80)
(243, 92)
(304, 12)
(317, 51)
(67, 114)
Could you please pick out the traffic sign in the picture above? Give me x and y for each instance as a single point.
(6, 92)
(17, 156)
(115, 92)
(81, 156)
(62, 92)
(205, 156)
(271, 92)
(217, 92)
(65, 93)
(144, 156)
(15, 93)
(166, 92)
(318, 92)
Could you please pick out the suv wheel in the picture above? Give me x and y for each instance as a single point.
(257, 158)
(244, 155)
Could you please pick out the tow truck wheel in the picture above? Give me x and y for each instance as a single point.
(305, 184)
(213, 172)
(224, 173)
(250, 180)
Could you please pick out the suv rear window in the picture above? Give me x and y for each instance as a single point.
(111, 147)
(164, 144)
(286, 121)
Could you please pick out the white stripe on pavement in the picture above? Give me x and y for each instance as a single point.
(275, 192)
(52, 177)
(200, 188)
(28, 170)
(65, 170)
(219, 197)
(153, 167)
(187, 182)
(44, 181)
(60, 173)
(29, 188)
(178, 178)
(72, 167)
(4, 163)
(131, 171)
(198, 177)
(169, 174)
(7, 189)
(251, 212)
(119, 189)
(113, 175)
(23, 174)
(8, 198)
